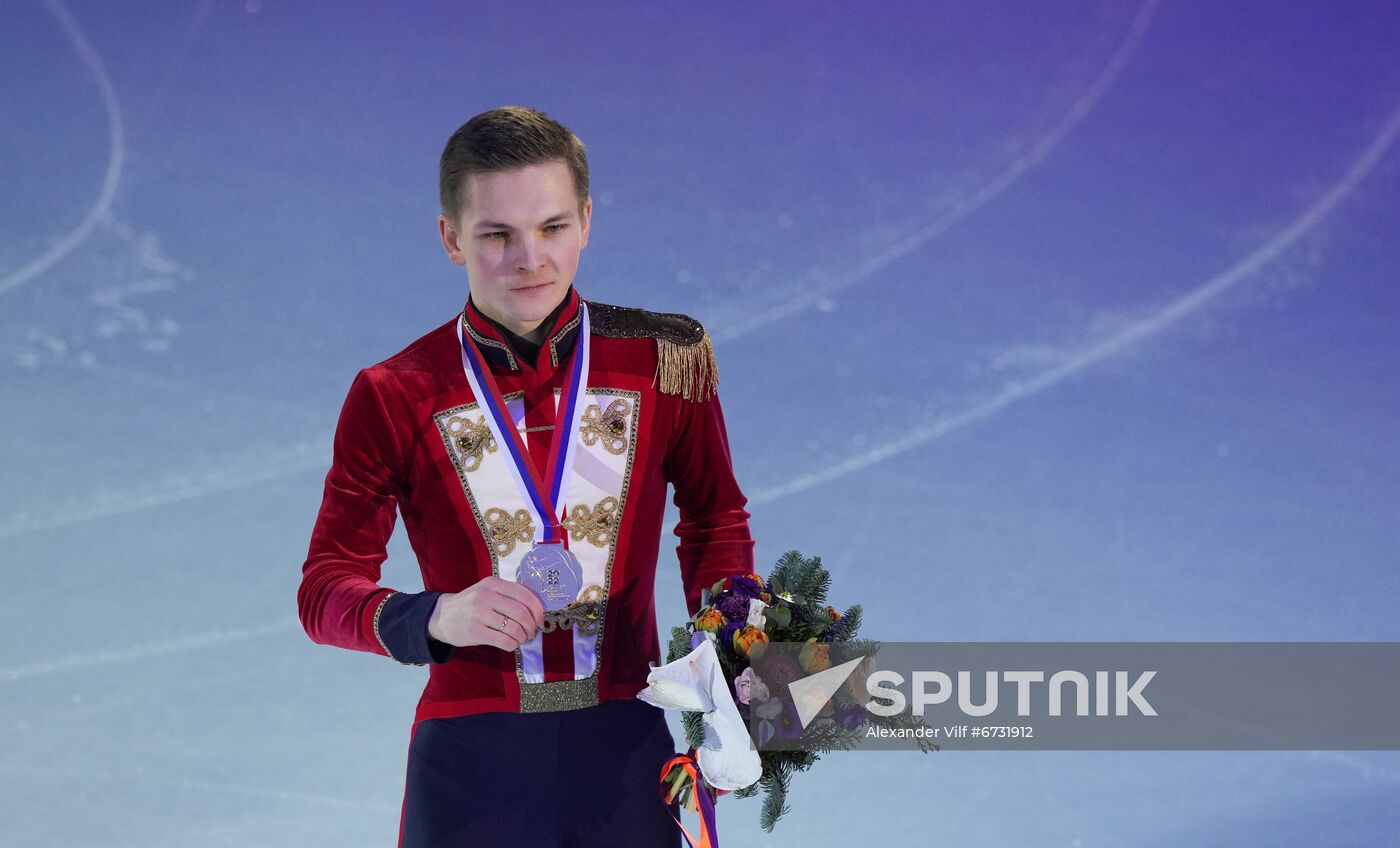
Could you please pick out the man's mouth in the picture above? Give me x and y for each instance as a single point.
(532, 288)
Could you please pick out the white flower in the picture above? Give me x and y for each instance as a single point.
(677, 686)
(696, 682)
(742, 685)
(758, 690)
(756, 617)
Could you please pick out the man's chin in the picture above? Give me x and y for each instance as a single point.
(530, 306)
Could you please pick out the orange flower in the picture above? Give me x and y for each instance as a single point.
(744, 639)
(831, 611)
(709, 620)
(765, 597)
(814, 657)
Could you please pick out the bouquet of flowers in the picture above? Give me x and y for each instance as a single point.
(710, 677)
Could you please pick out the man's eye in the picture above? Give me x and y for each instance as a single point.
(492, 235)
(554, 228)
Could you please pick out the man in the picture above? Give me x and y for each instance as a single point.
(527, 443)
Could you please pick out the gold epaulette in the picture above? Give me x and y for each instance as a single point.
(685, 357)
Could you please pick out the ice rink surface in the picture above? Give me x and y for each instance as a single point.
(1071, 322)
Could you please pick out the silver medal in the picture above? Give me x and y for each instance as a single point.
(553, 573)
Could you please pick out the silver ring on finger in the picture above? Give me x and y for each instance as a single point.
(505, 622)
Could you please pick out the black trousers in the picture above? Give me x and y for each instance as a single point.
(576, 779)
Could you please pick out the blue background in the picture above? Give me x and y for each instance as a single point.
(1070, 321)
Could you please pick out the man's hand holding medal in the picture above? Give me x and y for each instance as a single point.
(493, 611)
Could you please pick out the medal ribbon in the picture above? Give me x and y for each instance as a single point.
(541, 494)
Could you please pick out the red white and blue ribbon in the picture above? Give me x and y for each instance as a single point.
(542, 495)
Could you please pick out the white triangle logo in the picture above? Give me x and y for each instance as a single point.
(811, 693)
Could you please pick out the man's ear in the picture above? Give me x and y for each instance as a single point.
(586, 222)
(451, 241)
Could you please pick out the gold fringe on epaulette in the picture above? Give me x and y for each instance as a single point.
(687, 370)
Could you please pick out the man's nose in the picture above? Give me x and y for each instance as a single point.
(529, 254)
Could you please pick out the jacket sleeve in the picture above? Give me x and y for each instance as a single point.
(714, 526)
(340, 601)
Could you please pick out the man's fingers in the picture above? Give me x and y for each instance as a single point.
(531, 611)
(514, 628)
(496, 639)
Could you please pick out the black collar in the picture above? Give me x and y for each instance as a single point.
(504, 349)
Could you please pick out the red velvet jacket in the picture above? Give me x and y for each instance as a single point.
(405, 441)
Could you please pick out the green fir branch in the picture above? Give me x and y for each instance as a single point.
(825, 735)
(816, 583)
(680, 644)
(694, 724)
(850, 624)
(775, 784)
(780, 578)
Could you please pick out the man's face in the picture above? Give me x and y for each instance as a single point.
(520, 235)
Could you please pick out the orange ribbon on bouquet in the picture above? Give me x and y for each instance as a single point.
(698, 802)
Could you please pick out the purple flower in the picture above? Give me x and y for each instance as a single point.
(734, 606)
(850, 717)
(788, 725)
(745, 585)
(782, 668)
(726, 635)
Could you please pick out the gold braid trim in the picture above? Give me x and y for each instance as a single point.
(687, 370)
(685, 357)
(380, 639)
